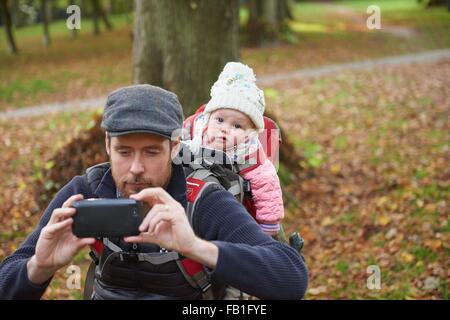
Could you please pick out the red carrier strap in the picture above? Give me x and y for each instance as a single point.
(197, 277)
(188, 123)
(98, 247)
(193, 271)
(193, 188)
(252, 161)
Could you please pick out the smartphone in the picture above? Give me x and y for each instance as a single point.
(105, 218)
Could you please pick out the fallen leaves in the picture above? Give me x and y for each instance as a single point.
(318, 290)
(387, 208)
(434, 244)
(406, 257)
(383, 220)
(23, 165)
(379, 196)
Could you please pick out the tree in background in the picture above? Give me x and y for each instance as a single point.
(18, 17)
(45, 20)
(6, 18)
(99, 13)
(267, 20)
(183, 45)
(430, 3)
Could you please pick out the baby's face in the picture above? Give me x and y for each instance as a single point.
(228, 128)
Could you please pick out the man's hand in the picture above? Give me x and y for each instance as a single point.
(56, 245)
(166, 224)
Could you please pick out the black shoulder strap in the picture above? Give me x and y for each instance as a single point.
(89, 283)
(94, 175)
(92, 178)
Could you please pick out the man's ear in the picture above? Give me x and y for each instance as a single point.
(108, 144)
(175, 149)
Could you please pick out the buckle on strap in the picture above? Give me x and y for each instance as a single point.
(195, 274)
(204, 282)
(129, 256)
(158, 258)
(94, 257)
(155, 258)
(111, 245)
(206, 286)
(247, 186)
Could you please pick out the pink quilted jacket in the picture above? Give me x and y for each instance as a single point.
(267, 196)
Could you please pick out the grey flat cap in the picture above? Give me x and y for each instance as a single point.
(142, 108)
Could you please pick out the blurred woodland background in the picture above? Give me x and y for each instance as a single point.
(365, 161)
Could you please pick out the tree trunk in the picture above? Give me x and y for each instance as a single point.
(18, 18)
(100, 13)
(45, 18)
(431, 3)
(267, 20)
(112, 7)
(270, 12)
(95, 16)
(73, 33)
(6, 17)
(183, 45)
(106, 21)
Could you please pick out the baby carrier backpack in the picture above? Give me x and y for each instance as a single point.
(213, 166)
(187, 278)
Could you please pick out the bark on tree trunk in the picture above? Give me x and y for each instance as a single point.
(183, 45)
(105, 19)
(99, 12)
(6, 16)
(18, 18)
(95, 16)
(267, 20)
(44, 12)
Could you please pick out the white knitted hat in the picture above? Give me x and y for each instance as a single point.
(236, 89)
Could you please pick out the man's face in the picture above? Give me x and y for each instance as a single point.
(139, 161)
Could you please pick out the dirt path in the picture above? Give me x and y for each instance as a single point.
(268, 80)
(428, 56)
(357, 20)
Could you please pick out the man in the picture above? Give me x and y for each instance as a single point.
(139, 122)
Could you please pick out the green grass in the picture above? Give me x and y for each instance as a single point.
(399, 293)
(385, 5)
(310, 150)
(444, 290)
(340, 142)
(342, 267)
(433, 192)
(11, 235)
(100, 64)
(58, 28)
(29, 87)
(446, 228)
(424, 254)
(432, 24)
(349, 217)
(420, 174)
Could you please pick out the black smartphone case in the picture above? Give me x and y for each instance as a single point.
(105, 218)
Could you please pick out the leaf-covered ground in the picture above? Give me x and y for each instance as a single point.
(375, 190)
(378, 145)
(91, 66)
(373, 185)
(28, 145)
